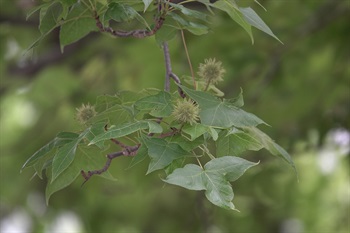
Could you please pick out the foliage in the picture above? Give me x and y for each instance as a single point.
(153, 122)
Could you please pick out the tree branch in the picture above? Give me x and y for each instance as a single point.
(138, 33)
(169, 73)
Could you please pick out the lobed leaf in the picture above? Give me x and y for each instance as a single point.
(235, 142)
(162, 153)
(222, 114)
(158, 105)
(214, 178)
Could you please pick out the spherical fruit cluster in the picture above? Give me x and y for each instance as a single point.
(211, 71)
(186, 111)
(85, 112)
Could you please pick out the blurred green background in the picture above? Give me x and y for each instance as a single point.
(301, 88)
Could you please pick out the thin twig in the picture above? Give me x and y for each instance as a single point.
(128, 151)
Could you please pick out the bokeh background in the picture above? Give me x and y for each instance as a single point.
(301, 88)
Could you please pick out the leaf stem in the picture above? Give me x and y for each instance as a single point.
(188, 59)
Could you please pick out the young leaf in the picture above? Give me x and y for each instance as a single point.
(236, 142)
(162, 153)
(78, 24)
(221, 114)
(158, 105)
(87, 159)
(215, 178)
(253, 19)
(119, 131)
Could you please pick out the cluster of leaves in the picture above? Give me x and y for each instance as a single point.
(174, 133)
(76, 19)
(134, 119)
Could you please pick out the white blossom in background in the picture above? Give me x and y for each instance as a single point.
(67, 222)
(336, 145)
(18, 221)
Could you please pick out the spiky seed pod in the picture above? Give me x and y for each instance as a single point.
(84, 113)
(186, 111)
(211, 71)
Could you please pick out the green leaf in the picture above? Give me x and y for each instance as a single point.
(87, 159)
(61, 139)
(147, 3)
(233, 11)
(111, 108)
(158, 105)
(78, 24)
(141, 155)
(222, 114)
(154, 127)
(231, 167)
(215, 178)
(64, 157)
(237, 101)
(188, 12)
(120, 12)
(253, 19)
(269, 144)
(194, 28)
(236, 142)
(50, 17)
(184, 143)
(196, 130)
(165, 33)
(162, 153)
(37, 8)
(120, 131)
